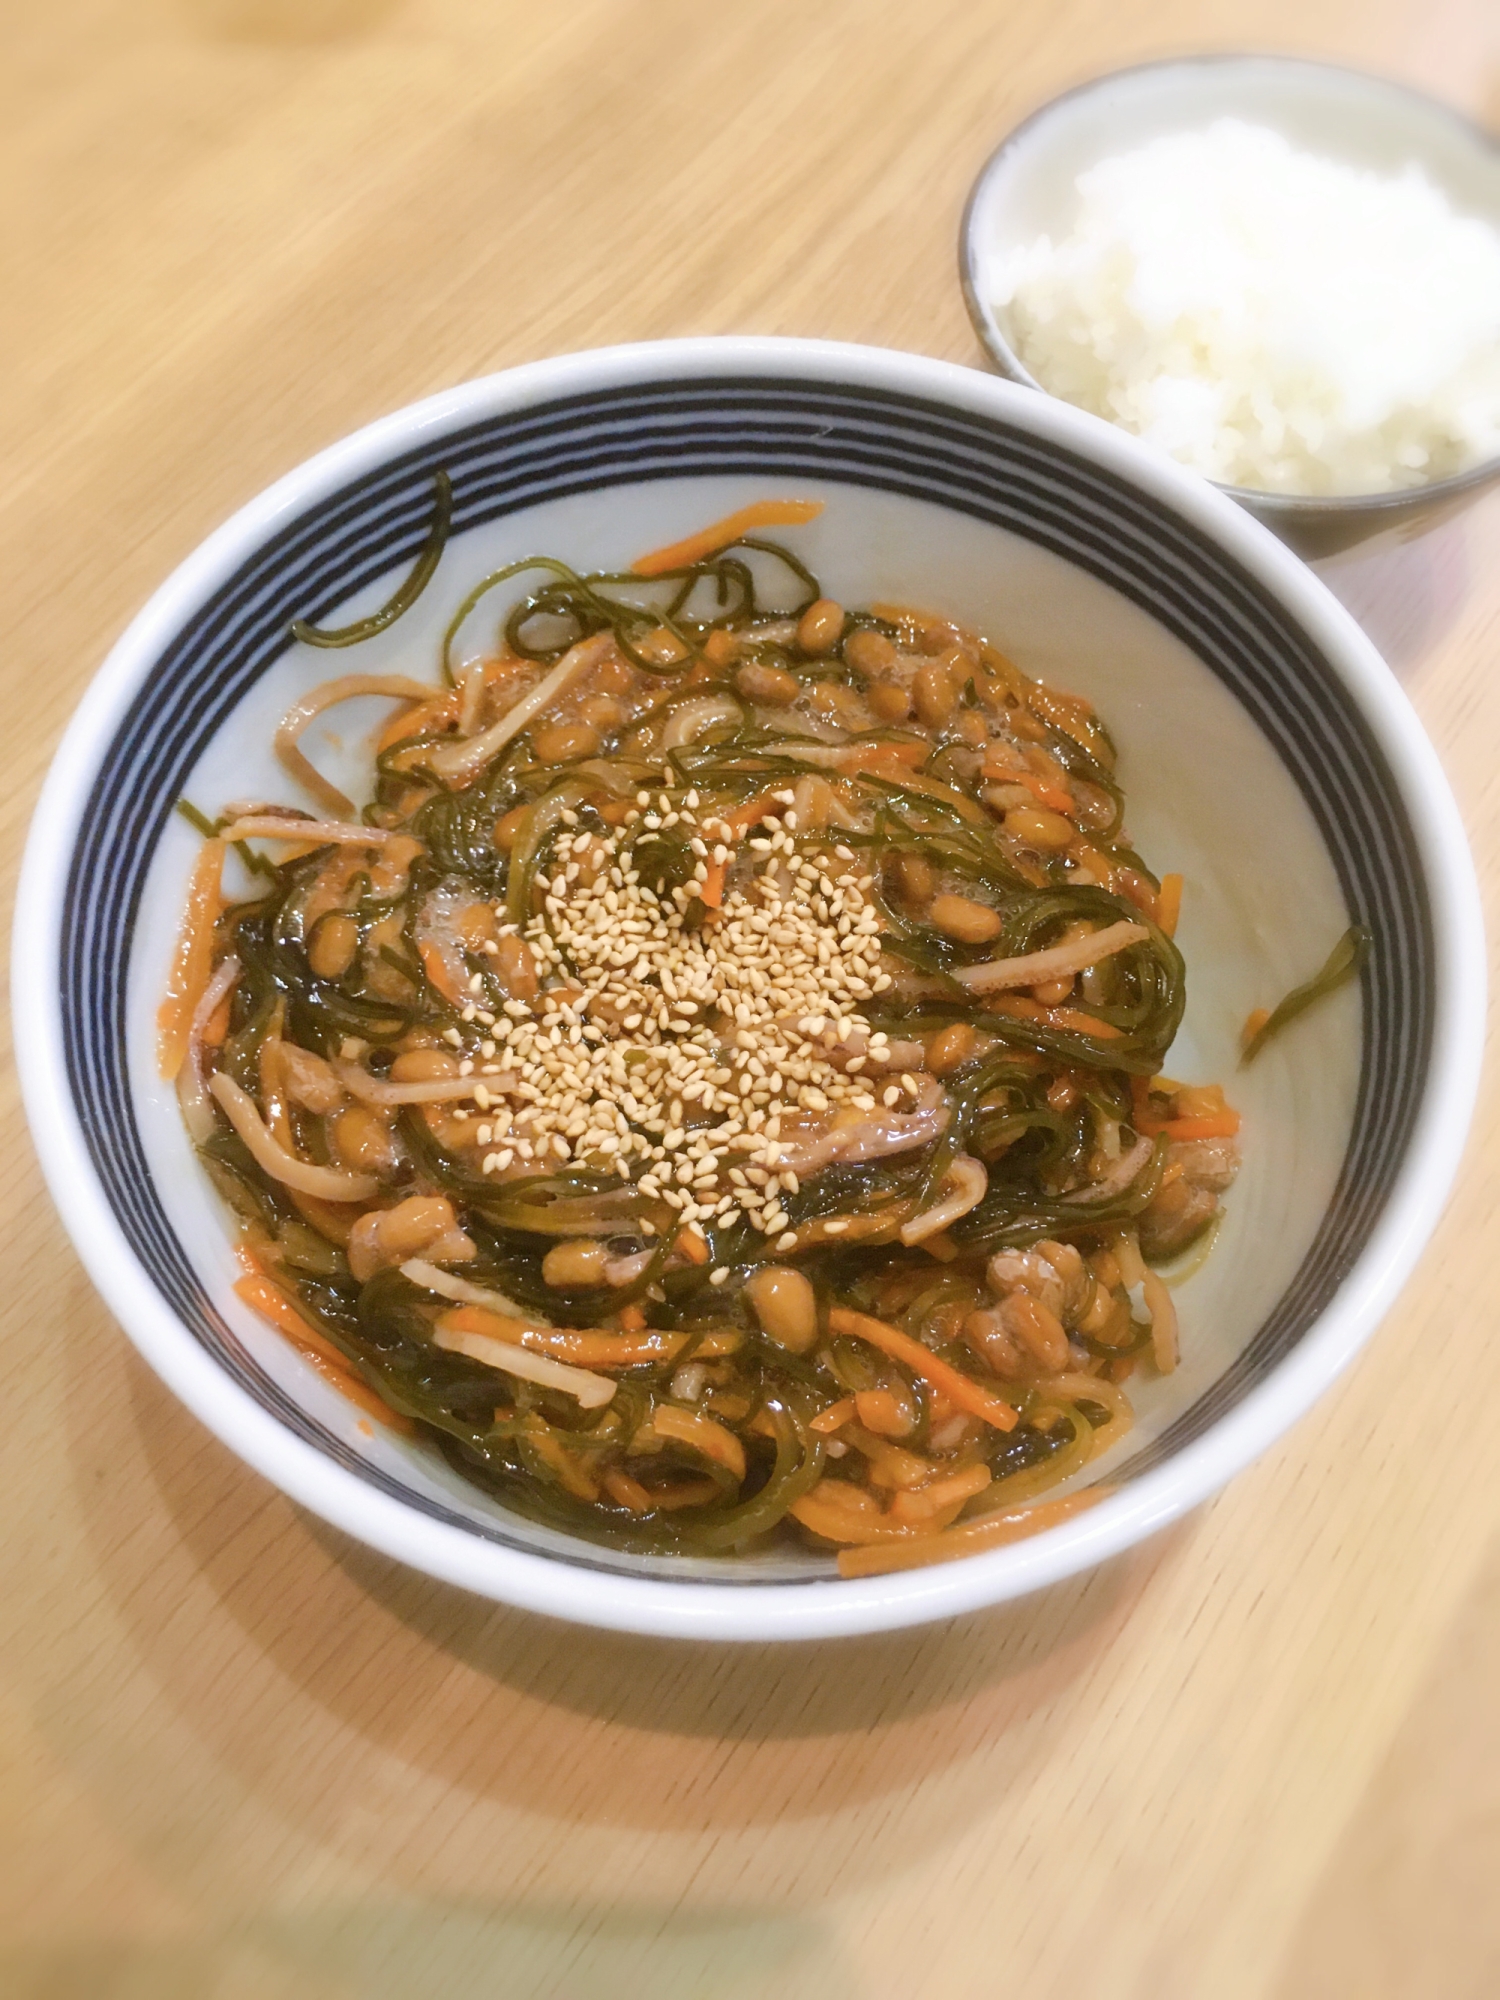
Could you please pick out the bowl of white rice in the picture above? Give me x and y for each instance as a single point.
(1283, 274)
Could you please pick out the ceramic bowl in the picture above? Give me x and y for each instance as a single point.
(1266, 752)
(1027, 188)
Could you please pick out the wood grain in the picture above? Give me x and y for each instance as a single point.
(243, 1757)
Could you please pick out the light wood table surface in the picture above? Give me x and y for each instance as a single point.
(243, 1758)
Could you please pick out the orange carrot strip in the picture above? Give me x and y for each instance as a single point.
(708, 541)
(1255, 1020)
(958, 1388)
(1222, 1125)
(690, 1244)
(834, 1417)
(193, 965)
(1169, 904)
(711, 888)
(1070, 1019)
(576, 1475)
(752, 812)
(632, 1319)
(216, 1028)
(991, 1531)
(272, 1303)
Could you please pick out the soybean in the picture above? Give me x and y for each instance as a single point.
(1040, 827)
(772, 685)
(821, 626)
(786, 1306)
(933, 694)
(571, 1266)
(560, 742)
(334, 943)
(870, 652)
(961, 918)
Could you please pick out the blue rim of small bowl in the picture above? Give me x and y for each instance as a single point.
(1294, 511)
(856, 414)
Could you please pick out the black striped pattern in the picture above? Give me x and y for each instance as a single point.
(974, 465)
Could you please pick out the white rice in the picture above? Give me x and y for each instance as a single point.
(1272, 319)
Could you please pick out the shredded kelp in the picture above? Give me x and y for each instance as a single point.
(726, 1052)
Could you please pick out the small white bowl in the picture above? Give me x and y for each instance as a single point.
(1028, 188)
(1266, 751)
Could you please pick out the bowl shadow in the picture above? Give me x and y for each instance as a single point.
(1406, 591)
(345, 1663)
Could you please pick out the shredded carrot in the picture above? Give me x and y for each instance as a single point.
(1070, 1019)
(958, 1388)
(216, 1028)
(193, 965)
(690, 1244)
(576, 1475)
(708, 541)
(1222, 1125)
(268, 1299)
(990, 1531)
(752, 812)
(1169, 904)
(436, 968)
(632, 1319)
(711, 888)
(1255, 1020)
(834, 1417)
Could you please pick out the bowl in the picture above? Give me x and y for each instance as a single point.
(1267, 752)
(1027, 188)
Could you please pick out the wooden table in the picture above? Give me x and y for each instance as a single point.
(246, 1759)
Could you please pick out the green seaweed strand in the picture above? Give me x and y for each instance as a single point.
(406, 596)
(1342, 964)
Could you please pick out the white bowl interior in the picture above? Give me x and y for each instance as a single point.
(1030, 187)
(1203, 787)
